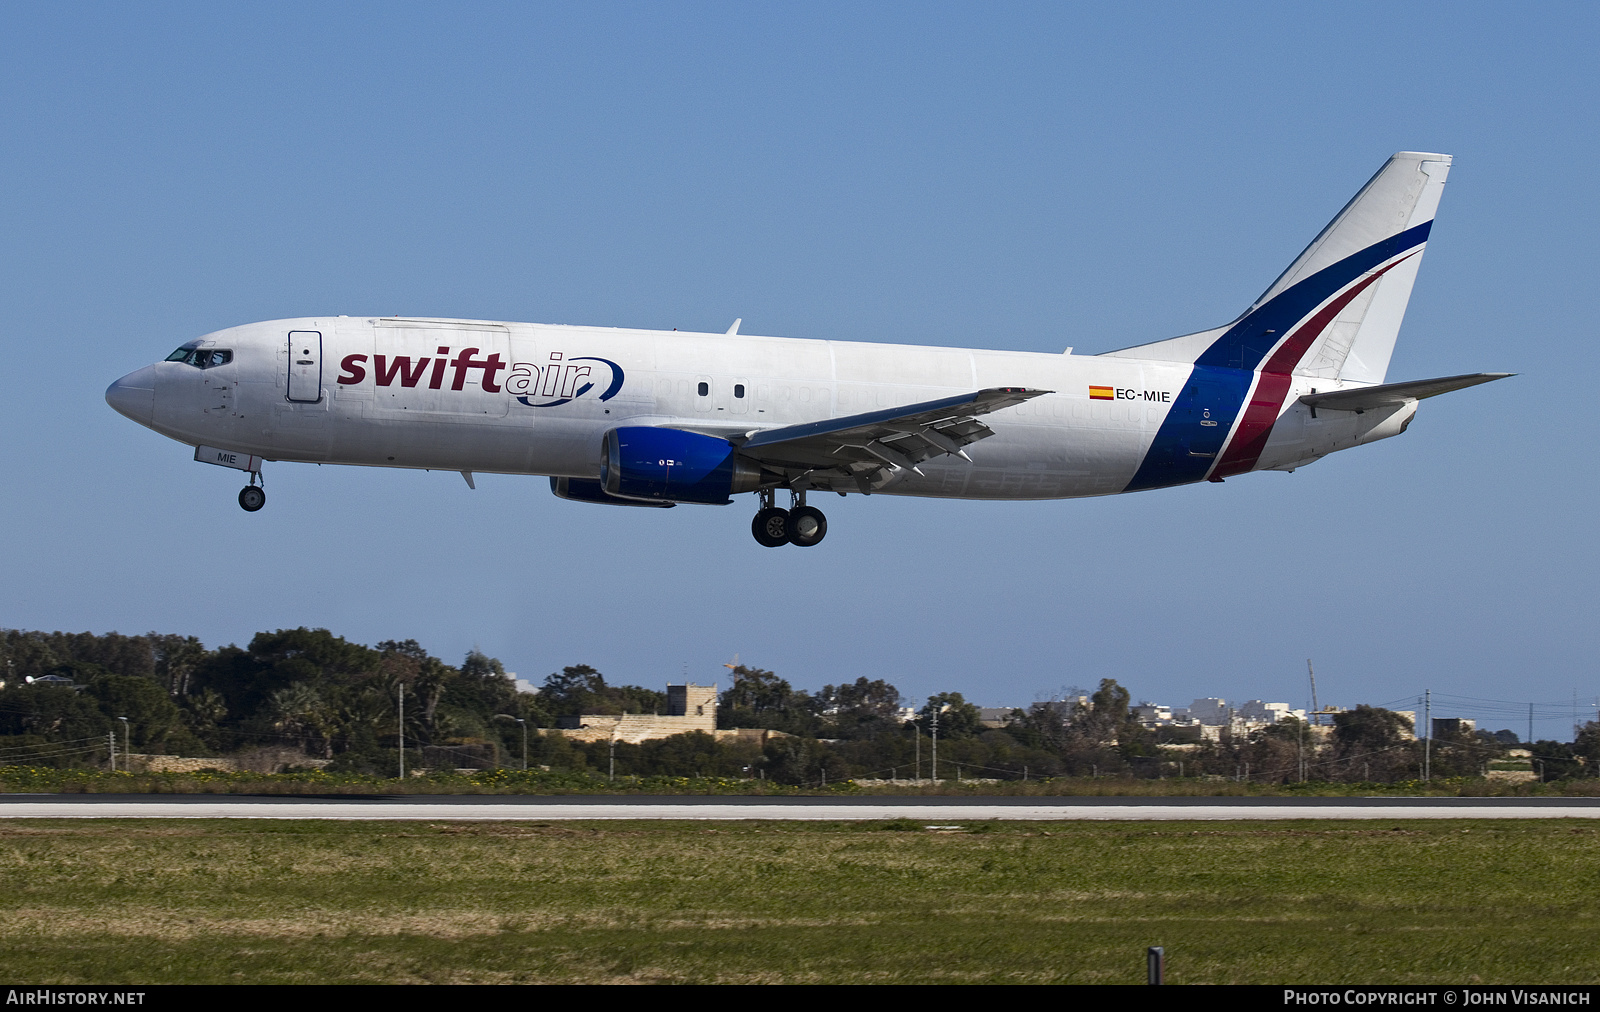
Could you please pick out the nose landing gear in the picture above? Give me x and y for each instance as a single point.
(252, 497)
(800, 525)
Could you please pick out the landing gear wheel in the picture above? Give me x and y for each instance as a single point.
(807, 526)
(252, 498)
(771, 527)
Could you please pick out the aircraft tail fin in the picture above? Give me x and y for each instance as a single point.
(1336, 312)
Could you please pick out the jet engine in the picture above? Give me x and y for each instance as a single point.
(673, 465)
(584, 490)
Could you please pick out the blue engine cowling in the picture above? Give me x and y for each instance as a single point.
(671, 465)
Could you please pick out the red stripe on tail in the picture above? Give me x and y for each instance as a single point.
(1266, 401)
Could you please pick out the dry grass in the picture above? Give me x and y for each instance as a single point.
(284, 902)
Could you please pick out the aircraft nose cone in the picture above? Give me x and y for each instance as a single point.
(134, 395)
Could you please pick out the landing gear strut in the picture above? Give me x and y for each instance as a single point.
(798, 525)
(252, 497)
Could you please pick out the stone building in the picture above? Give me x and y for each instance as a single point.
(689, 708)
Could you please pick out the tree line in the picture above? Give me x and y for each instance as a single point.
(337, 702)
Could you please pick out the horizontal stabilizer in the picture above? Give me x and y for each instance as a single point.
(1391, 394)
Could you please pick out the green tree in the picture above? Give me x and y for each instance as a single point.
(1371, 743)
(863, 708)
(957, 717)
(155, 723)
(1556, 760)
(300, 713)
(760, 699)
(791, 760)
(575, 689)
(49, 714)
(1586, 747)
(275, 660)
(176, 659)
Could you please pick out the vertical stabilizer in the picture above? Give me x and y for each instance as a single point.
(1401, 199)
(1335, 313)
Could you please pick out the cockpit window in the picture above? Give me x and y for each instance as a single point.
(203, 358)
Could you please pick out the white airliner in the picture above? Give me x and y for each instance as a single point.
(652, 418)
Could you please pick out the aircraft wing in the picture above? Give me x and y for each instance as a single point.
(865, 452)
(1391, 394)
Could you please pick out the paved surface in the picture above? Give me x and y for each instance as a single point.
(462, 807)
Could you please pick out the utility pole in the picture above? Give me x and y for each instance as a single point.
(1427, 742)
(402, 696)
(127, 745)
(936, 745)
(524, 723)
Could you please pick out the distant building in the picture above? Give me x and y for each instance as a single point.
(689, 708)
(1453, 727)
(1151, 714)
(1411, 724)
(1258, 712)
(996, 716)
(1210, 711)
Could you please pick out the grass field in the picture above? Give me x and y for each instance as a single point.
(147, 901)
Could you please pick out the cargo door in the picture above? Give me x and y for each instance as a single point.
(305, 366)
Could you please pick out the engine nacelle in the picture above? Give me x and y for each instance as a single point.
(672, 465)
(587, 490)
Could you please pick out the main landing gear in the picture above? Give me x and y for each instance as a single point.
(252, 497)
(798, 525)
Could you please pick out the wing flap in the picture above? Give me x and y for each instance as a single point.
(865, 451)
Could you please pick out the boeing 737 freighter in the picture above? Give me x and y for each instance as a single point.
(651, 418)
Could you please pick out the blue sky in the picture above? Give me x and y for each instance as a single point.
(987, 175)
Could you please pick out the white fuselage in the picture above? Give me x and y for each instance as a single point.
(533, 399)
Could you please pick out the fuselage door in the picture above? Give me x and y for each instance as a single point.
(305, 366)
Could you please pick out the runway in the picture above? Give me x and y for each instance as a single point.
(933, 810)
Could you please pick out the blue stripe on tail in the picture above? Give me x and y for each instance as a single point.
(1186, 446)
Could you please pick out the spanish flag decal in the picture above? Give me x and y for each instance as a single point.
(1101, 394)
